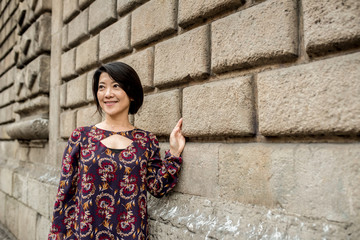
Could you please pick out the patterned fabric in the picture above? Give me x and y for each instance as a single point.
(102, 193)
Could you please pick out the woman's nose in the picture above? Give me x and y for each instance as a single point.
(108, 92)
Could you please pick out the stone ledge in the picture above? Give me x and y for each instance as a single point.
(29, 129)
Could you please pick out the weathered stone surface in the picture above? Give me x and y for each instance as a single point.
(56, 16)
(64, 38)
(19, 187)
(7, 114)
(204, 156)
(84, 3)
(78, 28)
(7, 96)
(29, 11)
(8, 149)
(220, 108)
(38, 197)
(87, 116)
(193, 11)
(317, 98)
(70, 9)
(3, 133)
(33, 79)
(102, 14)
(115, 39)
(37, 105)
(244, 170)
(183, 57)
(6, 180)
(152, 20)
(331, 26)
(27, 223)
(259, 35)
(201, 218)
(76, 91)
(123, 6)
(2, 207)
(87, 54)
(157, 117)
(36, 40)
(67, 123)
(12, 215)
(42, 228)
(68, 64)
(89, 81)
(7, 79)
(62, 90)
(7, 62)
(29, 129)
(143, 63)
(36, 154)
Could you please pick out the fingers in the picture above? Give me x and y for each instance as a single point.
(179, 123)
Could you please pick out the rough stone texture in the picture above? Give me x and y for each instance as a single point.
(38, 197)
(2, 207)
(331, 26)
(36, 128)
(67, 123)
(87, 54)
(35, 106)
(123, 6)
(157, 117)
(7, 96)
(258, 35)
(102, 14)
(76, 91)
(7, 62)
(19, 187)
(115, 39)
(193, 11)
(89, 80)
(78, 28)
(87, 116)
(311, 98)
(42, 228)
(204, 156)
(152, 20)
(12, 215)
(68, 64)
(219, 108)
(64, 38)
(183, 58)
(222, 219)
(27, 223)
(84, 3)
(143, 63)
(3, 133)
(6, 180)
(56, 16)
(7, 79)
(70, 9)
(6, 114)
(29, 11)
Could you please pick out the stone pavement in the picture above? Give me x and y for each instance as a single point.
(5, 233)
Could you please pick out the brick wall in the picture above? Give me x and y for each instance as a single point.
(268, 89)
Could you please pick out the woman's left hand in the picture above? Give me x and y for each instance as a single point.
(177, 140)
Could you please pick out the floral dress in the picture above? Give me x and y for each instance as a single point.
(102, 192)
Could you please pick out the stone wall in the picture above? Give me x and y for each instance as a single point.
(269, 91)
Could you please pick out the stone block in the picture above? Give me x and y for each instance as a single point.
(70, 9)
(143, 63)
(222, 108)
(7, 114)
(12, 215)
(9, 149)
(194, 11)
(67, 123)
(317, 98)
(2, 207)
(3, 133)
(53, 189)
(160, 112)
(39, 104)
(63, 89)
(78, 28)
(76, 91)
(6, 183)
(101, 14)
(19, 187)
(56, 16)
(204, 156)
(36, 154)
(255, 36)
(331, 26)
(124, 6)
(64, 38)
(183, 58)
(87, 116)
(115, 39)
(60, 151)
(36, 40)
(27, 223)
(89, 82)
(7, 62)
(87, 54)
(84, 3)
(38, 197)
(42, 228)
(153, 20)
(68, 64)
(30, 129)
(244, 170)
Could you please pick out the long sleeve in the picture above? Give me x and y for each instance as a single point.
(65, 208)
(162, 175)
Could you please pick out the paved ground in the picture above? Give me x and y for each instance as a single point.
(5, 234)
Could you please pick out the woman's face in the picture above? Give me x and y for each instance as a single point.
(112, 98)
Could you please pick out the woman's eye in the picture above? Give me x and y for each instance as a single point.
(116, 85)
(101, 87)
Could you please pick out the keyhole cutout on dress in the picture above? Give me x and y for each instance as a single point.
(116, 142)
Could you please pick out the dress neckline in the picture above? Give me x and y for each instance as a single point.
(101, 129)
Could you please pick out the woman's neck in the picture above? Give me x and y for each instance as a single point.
(116, 124)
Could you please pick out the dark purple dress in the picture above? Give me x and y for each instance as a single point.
(102, 192)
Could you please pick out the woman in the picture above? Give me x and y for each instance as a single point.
(107, 168)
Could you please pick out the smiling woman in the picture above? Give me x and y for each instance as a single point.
(107, 168)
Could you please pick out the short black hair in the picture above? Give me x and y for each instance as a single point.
(128, 80)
